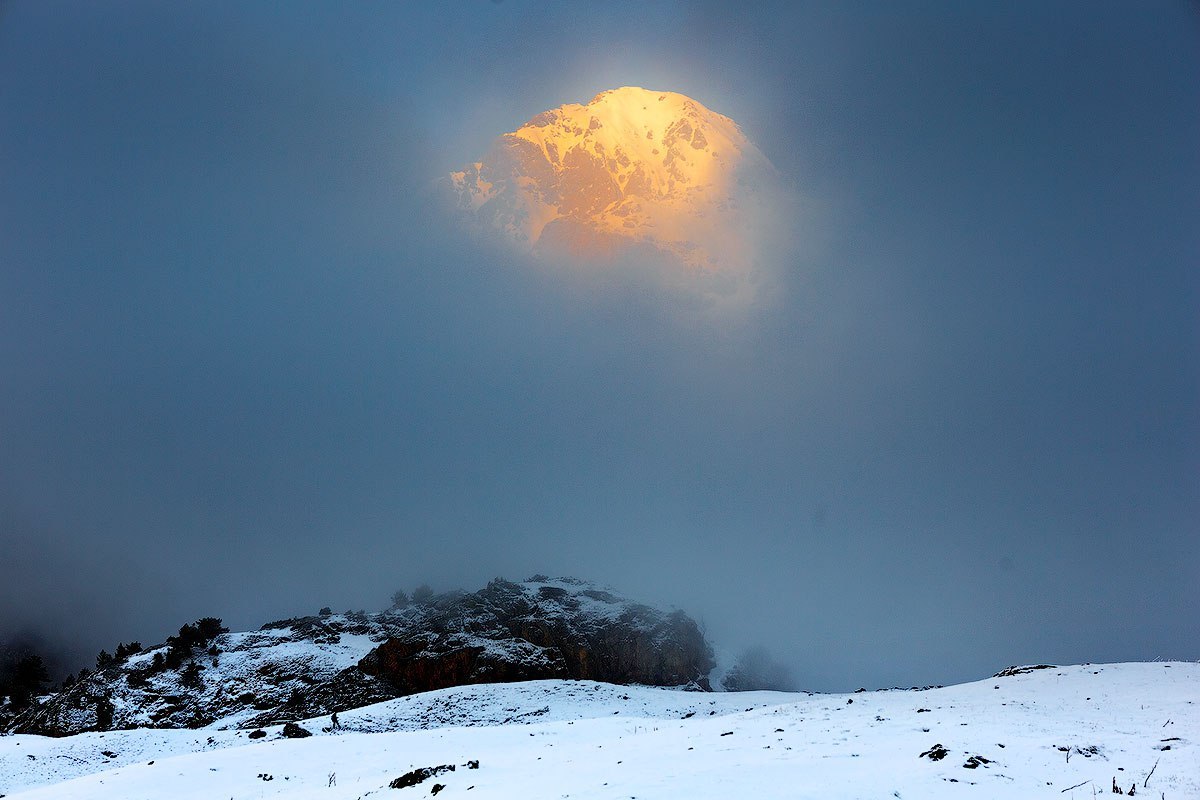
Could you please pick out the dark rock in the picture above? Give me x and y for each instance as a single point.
(935, 753)
(1009, 672)
(419, 775)
(293, 731)
(257, 734)
(515, 632)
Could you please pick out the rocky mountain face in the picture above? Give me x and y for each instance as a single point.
(309, 666)
(631, 171)
(559, 629)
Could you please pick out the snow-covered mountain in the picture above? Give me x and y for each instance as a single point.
(633, 170)
(302, 667)
(1063, 732)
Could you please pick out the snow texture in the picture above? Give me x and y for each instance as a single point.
(1056, 732)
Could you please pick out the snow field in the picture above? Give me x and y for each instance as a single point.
(1034, 735)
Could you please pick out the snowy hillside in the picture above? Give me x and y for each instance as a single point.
(1056, 732)
(297, 668)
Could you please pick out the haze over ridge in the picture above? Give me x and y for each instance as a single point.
(249, 370)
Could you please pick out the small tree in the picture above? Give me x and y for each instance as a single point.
(422, 594)
(210, 628)
(104, 659)
(124, 651)
(104, 713)
(399, 598)
(197, 634)
(27, 680)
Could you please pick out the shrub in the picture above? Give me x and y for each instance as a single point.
(190, 677)
(179, 648)
(104, 713)
(210, 628)
(124, 651)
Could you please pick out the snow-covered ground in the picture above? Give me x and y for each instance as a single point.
(1064, 732)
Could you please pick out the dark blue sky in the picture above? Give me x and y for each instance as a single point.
(246, 371)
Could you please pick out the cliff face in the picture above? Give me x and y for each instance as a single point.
(543, 629)
(310, 666)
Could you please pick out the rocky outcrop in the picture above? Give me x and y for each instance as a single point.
(542, 629)
(302, 668)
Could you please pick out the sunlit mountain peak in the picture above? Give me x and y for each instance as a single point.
(631, 168)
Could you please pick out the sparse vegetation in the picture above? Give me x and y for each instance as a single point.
(190, 676)
(179, 648)
(124, 651)
(23, 679)
(104, 713)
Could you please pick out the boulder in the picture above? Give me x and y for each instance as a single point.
(293, 731)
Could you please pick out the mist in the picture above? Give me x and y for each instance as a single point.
(249, 370)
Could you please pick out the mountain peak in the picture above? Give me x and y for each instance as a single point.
(631, 168)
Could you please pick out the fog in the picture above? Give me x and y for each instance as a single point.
(247, 369)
